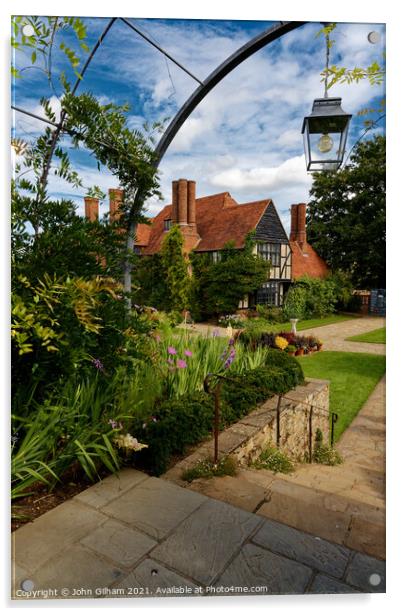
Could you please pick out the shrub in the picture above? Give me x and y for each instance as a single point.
(184, 421)
(274, 460)
(314, 297)
(272, 314)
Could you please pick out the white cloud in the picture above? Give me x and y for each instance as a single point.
(290, 172)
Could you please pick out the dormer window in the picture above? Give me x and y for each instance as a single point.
(167, 224)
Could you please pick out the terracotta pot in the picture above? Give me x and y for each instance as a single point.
(299, 352)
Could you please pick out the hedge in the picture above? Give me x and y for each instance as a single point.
(186, 421)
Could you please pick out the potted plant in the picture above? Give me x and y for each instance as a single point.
(291, 350)
(319, 344)
(299, 347)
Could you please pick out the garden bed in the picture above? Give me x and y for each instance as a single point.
(246, 439)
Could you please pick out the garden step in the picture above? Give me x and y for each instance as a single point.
(359, 487)
(359, 524)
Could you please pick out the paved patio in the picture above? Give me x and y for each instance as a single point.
(334, 336)
(135, 535)
(344, 504)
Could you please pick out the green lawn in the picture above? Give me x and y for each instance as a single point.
(353, 377)
(376, 335)
(309, 323)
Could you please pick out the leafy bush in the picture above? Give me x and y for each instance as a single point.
(272, 314)
(180, 422)
(273, 459)
(311, 297)
(218, 287)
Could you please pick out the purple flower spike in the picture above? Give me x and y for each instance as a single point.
(188, 353)
(172, 351)
(98, 364)
(215, 333)
(181, 363)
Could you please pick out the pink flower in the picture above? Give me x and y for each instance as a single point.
(188, 353)
(181, 363)
(172, 351)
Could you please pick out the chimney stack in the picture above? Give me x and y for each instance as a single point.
(298, 223)
(91, 208)
(175, 202)
(182, 202)
(115, 199)
(191, 203)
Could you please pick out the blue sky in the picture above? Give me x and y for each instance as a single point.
(245, 136)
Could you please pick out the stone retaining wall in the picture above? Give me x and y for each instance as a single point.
(246, 439)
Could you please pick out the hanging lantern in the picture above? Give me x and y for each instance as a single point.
(325, 132)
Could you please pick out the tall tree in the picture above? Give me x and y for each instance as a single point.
(346, 216)
(176, 267)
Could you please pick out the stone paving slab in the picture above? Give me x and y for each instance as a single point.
(191, 541)
(323, 584)
(204, 543)
(151, 578)
(234, 490)
(256, 567)
(302, 547)
(110, 488)
(52, 533)
(121, 544)
(305, 509)
(77, 568)
(366, 573)
(154, 506)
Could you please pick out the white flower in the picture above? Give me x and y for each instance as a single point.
(126, 441)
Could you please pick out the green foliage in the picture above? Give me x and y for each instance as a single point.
(324, 454)
(206, 469)
(150, 283)
(176, 269)
(180, 422)
(46, 31)
(314, 297)
(346, 216)
(77, 423)
(218, 287)
(273, 459)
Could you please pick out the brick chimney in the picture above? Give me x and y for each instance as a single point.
(298, 223)
(91, 208)
(184, 211)
(175, 202)
(191, 219)
(182, 202)
(115, 198)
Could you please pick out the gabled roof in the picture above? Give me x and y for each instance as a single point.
(143, 233)
(305, 260)
(219, 219)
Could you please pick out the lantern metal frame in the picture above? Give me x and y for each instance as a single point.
(327, 118)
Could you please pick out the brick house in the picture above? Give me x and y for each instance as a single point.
(208, 223)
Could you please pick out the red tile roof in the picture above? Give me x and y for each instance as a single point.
(219, 219)
(305, 260)
(143, 234)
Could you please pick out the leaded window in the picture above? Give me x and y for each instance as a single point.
(269, 294)
(270, 252)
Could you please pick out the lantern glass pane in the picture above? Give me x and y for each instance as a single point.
(325, 147)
